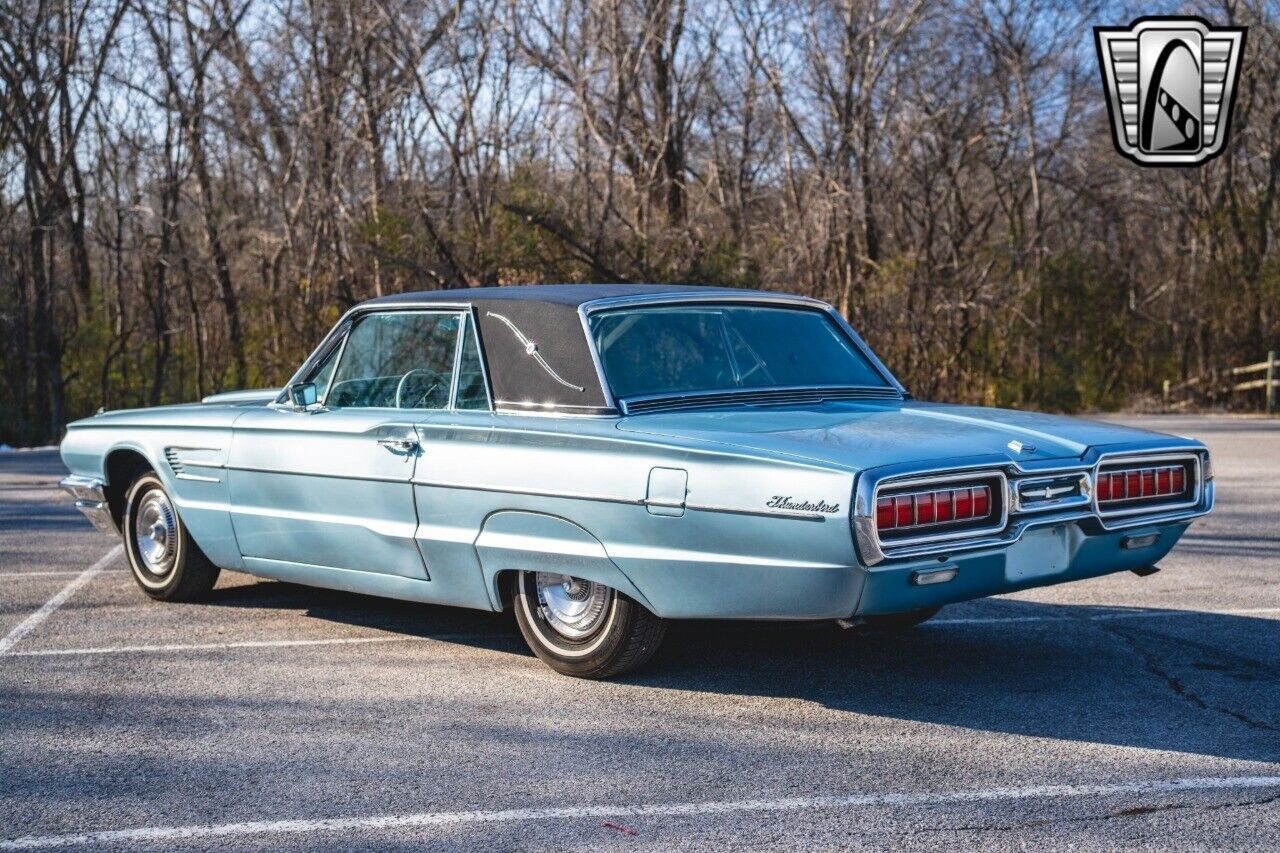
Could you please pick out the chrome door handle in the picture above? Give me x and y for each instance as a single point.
(403, 445)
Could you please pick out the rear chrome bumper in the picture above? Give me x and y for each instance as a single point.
(92, 501)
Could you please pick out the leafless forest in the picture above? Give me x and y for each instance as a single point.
(191, 192)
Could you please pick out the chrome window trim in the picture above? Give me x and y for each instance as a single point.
(776, 395)
(342, 350)
(457, 361)
(1144, 459)
(584, 310)
(473, 325)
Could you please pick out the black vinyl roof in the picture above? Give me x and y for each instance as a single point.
(535, 346)
(560, 294)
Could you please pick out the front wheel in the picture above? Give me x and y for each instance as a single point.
(583, 628)
(166, 562)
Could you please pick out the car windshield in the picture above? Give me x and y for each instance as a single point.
(687, 349)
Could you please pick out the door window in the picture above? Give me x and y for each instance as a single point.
(400, 360)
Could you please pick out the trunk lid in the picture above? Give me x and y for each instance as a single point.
(870, 434)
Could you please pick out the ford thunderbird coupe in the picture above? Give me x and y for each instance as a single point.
(601, 459)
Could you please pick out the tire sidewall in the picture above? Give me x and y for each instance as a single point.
(150, 583)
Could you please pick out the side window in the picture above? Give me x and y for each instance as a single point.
(397, 359)
(472, 393)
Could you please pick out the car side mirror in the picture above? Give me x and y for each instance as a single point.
(303, 395)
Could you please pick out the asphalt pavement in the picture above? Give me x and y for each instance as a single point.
(1118, 712)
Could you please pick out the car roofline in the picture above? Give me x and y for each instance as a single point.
(651, 295)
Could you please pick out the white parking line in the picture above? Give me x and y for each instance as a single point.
(245, 644)
(4, 576)
(1109, 614)
(26, 626)
(790, 804)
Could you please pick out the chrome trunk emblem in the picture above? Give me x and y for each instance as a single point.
(1058, 491)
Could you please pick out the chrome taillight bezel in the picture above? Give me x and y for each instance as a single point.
(1150, 505)
(994, 478)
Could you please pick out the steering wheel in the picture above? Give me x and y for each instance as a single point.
(433, 375)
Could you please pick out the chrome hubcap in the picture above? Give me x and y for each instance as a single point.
(572, 606)
(155, 533)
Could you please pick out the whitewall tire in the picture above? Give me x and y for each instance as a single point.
(583, 628)
(166, 563)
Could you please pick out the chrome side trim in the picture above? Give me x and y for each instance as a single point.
(197, 477)
(91, 499)
(179, 465)
(536, 493)
(286, 473)
(587, 496)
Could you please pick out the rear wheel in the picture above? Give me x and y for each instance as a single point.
(583, 628)
(166, 563)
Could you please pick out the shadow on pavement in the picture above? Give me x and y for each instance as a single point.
(1204, 683)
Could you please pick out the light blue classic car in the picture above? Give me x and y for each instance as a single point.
(602, 458)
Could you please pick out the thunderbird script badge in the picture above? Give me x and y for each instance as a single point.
(1170, 86)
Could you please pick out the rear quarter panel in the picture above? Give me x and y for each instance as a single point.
(728, 554)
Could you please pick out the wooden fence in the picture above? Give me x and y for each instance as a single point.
(1220, 386)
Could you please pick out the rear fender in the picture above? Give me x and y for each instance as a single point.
(514, 540)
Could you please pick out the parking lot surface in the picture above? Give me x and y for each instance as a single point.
(1118, 712)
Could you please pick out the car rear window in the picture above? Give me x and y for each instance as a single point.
(682, 349)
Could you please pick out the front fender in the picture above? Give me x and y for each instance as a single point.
(514, 540)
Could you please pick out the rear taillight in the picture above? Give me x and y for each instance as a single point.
(920, 509)
(1143, 483)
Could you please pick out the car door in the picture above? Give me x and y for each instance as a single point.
(331, 484)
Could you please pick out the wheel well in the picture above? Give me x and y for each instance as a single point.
(506, 583)
(122, 468)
